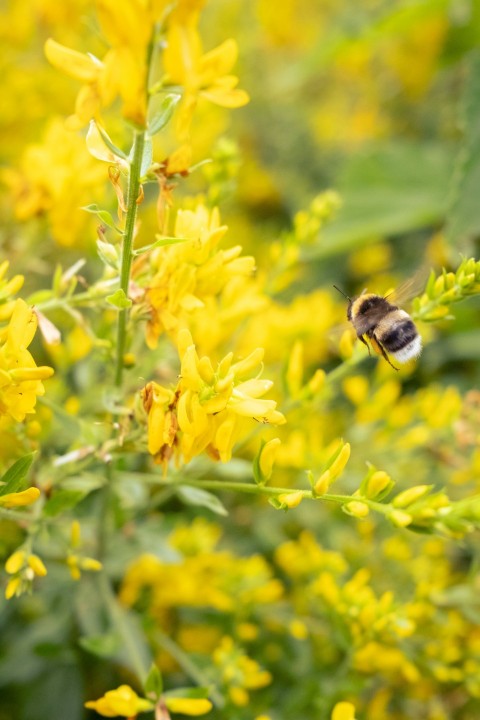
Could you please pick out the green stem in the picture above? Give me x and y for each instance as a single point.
(84, 298)
(253, 489)
(124, 626)
(127, 246)
(188, 666)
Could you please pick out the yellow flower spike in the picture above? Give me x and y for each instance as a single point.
(15, 562)
(267, 457)
(411, 495)
(20, 499)
(343, 711)
(188, 706)
(37, 565)
(76, 64)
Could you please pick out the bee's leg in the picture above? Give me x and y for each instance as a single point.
(362, 339)
(384, 354)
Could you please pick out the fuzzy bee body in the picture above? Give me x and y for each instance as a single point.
(389, 329)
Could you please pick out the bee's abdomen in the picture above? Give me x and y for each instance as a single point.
(399, 336)
(402, 333)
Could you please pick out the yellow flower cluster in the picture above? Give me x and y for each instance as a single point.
(207, 410)
(20, 378)
(184, 278)
(23, 566)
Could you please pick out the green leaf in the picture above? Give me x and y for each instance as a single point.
(153, 685)
(103, 646)
(202, 498)
(161, 242)
(463, 218)
(119, 300)
(111, 146)
(63, 500)
(147, 157)
(161, 110)
(16, 474)
(392, 189)
(103, 215)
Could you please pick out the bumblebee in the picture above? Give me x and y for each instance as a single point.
(389, 329)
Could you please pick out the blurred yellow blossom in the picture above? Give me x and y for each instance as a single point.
(55, 178)
(20, 499)
(343, 711)
(23, 566)
(123, 701)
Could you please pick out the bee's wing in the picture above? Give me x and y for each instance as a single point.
(409, 288)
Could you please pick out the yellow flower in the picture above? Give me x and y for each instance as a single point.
(206, 75)
(128, 26)
(343, 711)
(20, 378)
(20, 499)
(186, 277)
(122, 701)
(23, 567)
(188, 706)
(207, 409)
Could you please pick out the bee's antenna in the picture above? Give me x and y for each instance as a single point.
(342, 293)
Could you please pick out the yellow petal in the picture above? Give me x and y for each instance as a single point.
(343, 711)
(218, 61)
(37, 565)
(78, 65)
(42, 372)
(15, 562)
(253, 388)
(267, 457)
(23, 325)
(12, 587)
(252, 407)
(189, 706)
(26, 497)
